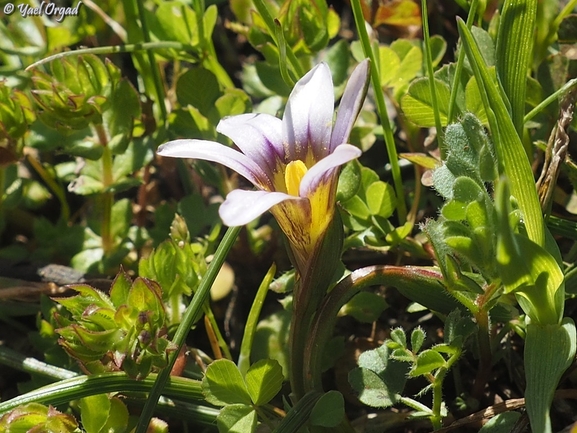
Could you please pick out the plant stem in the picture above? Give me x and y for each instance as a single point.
(191, 315)
(459, 70)
(158, 86)
(431, 74)
(20, 362)
(129, 48)
(106, 198)
(252, 321)
(485, 358)
(82, 386)
(382, 109)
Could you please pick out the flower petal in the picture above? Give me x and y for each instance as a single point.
(308, 116)
(216, 152)
(258, 136)
(241, 207)
(316, 174)
(351, 104)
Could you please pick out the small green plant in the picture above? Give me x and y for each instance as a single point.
(124, 331)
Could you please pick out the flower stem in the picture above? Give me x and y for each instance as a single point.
(191, 315)
(382, 109)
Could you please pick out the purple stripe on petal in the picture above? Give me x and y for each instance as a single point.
(258, 136)
(316, 174)
(351, 104)
(308, 116)
(216, 152)
(241, 207)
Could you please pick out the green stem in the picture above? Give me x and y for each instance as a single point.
(459, 71)
(271, 27)
(568, 86)
(415, 405)
(437, 417)
(158, 86)
(252, 321)
(210, 60)
(191, 315)
(106, 197)
(74, 388)
(20, 362)
(485, 357)
(431, 76)
(382, 109)
(129, 48)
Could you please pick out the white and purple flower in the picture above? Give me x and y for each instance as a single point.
(293, 162)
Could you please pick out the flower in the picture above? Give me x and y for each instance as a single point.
(292, 162)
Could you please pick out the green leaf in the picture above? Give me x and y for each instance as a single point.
(379, 380)
(119, 118)
(375, 360)
(389, 65)
(349, 181)
(135, 156)
(187, 90)
(438, 48)
(427, 361)
(94, 412)
(417, 104)
(237, 418)
(509, 148)
(365, 307)
(398, 336)
(117, 421)
(223, 385)
(371, 389)
(233, 102)
(209, 21)
(178, 22)
(121, 215)
(527, 268)
(381, 199)
(474, 101)
(458, 328)
(329, 410)
(146, 295)
(264, 380)
(516, 29)
(338, 61)
(271, 339)
(417, 339)
(410, 67)
(502, 423)
(549, 351)
(357, 207)
(120, 288)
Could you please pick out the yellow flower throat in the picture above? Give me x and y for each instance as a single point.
(294, 173)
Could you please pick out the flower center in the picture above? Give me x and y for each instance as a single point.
(294, 172)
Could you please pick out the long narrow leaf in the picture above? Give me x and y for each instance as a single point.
(509, 148)
(514, 54)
